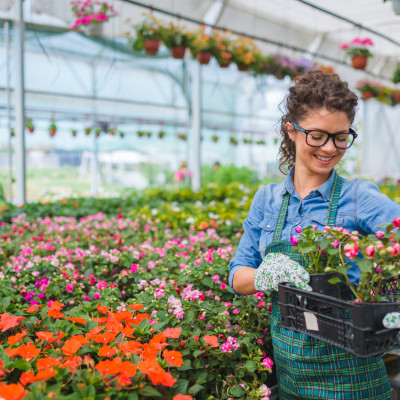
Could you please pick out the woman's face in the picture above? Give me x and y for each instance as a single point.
(318, 160)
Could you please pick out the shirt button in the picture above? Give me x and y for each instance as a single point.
(268, 226)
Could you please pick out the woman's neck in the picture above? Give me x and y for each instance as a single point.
(305, 182)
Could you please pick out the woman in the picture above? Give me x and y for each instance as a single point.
(316, 131)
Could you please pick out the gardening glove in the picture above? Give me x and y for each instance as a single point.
(392, 320)
(277, 268)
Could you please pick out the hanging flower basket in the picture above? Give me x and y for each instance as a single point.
(243, 67)
(359, 62)
(214, 138)
(88, 130)
(29, 125)
(52, 129)
(203, 57)
(97, 132)
(161, 134)
(151, 46)
(178, 52)
(224, 63)
(367, 95)
(74, 132)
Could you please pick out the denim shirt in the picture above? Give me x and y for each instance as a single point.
(362, 207)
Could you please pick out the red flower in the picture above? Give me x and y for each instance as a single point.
(182, 397)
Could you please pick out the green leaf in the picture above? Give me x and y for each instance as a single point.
(237, 391)
(149, 391)
(365, 265)
(133, 396)
(189, 317)
(4, 303)
(193, 390)
(251, 366)
(207, 281)
(332, 251)
(197, 353)
(187, 364)
(324, 243)
(181, 386)
(334, 280)
(22, 365)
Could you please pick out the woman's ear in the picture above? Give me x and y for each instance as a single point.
(290, 130)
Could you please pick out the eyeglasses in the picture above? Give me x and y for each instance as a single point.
(316, 138)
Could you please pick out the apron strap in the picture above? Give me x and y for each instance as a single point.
(281, 218)
(334, 201)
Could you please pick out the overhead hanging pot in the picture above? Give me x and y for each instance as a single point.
(151, 46)
(396, 6)
(359, 62)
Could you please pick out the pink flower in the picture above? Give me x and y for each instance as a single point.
(261, 304)
(96, 295)
(294, 240)
(70, 287)
(396, 222)
(370, 250)
(394, 249)
(158, 293)
(298, 229)
(236, 311)
(335, 244)
(267, 363)
(344, 46)
(380, 234)
(351, 249)
(223, 286)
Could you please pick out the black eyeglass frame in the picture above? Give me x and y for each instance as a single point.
(330, 135)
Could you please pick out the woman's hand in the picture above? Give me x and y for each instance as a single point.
(392, 320)
(277, 268)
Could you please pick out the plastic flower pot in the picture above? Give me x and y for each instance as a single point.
(359, 62)
(224, 63)
(367, 95)
(396, 95)
(95, 29)
(178, 52)
(203, 57)
(243, 67)
(320, 283)
(151, 46)
(52, 132)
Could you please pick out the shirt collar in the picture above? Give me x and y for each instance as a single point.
(325, 189)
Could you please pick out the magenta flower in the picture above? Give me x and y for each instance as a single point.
(294, 240)
(298, 229)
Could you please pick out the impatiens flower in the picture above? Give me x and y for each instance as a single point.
(396, 222)
(294, 240)
(212, 340)
(223, 286)
(267, 363)
(173, 333)
(380, 234)
(182, 397)
(370, 250)
(173, 357)
(298, 229)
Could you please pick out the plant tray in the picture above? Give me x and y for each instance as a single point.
(355, 327)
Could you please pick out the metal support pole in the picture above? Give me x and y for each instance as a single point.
(94, 164)
(195, 142)
(8, 92)
(19, 101)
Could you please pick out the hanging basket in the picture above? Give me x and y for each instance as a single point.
(151, 46)
(367, 95)
(93, 30)
(178, 52)
(243, 67)
(224, 63)
(359, 62)
(203, 57)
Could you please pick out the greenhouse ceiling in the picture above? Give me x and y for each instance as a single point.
(313, 26)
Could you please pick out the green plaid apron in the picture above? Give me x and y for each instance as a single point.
(308, 368)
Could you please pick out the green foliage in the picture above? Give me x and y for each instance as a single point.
(226, 174)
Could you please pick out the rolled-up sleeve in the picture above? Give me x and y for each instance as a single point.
(248, 253)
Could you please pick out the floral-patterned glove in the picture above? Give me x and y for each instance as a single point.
(392, 320)
(277, 268)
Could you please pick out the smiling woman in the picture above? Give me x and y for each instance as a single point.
(316, 131)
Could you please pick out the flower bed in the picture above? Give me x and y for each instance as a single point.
(129, 307)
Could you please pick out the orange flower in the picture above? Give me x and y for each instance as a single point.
(56, 305)
(57, 338)
(139, 318)
(94, 332)
(104, 337)
(71, 346)
(77, 320)
(16, 338)
(29, 377)
(212, 340)
(124, 380)
(113, 325)
(13, 391)
(8, 321)
(81, 339)
(47, 362)
(128, 332)
(182, 397)
(72, 363)
(173, 357)
(43, 335)
(107, 351)
(136, 307)
(149, 352)
(52, 312)
(152, 369)
(131, 347)
(120, 316)
(33, 308)
(12, 352)
(173, 333)
(128, 369)
(158, 341)
(108, 367)
(28, 351)
(101, 309)
(204, 225)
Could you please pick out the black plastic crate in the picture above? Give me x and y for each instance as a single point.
(355, 327)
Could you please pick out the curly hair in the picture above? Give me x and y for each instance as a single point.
(312, 91)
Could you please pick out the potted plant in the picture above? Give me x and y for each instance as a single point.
(91, 13)
(88, 129)
(201, 45)
(161, 134)
(111, 131)
(233, 141)
(175, 38)
(29, 125)
(368, 89)
(396, 74)
(223, 49)
(149, 34)
(12, 132)
(52, 128)
(182, 136)
(97, 131)
(358, 50)
(140, 133)
(395, 94)
(214, 138)
(74, 132)
(121, 134)
(244, 53)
